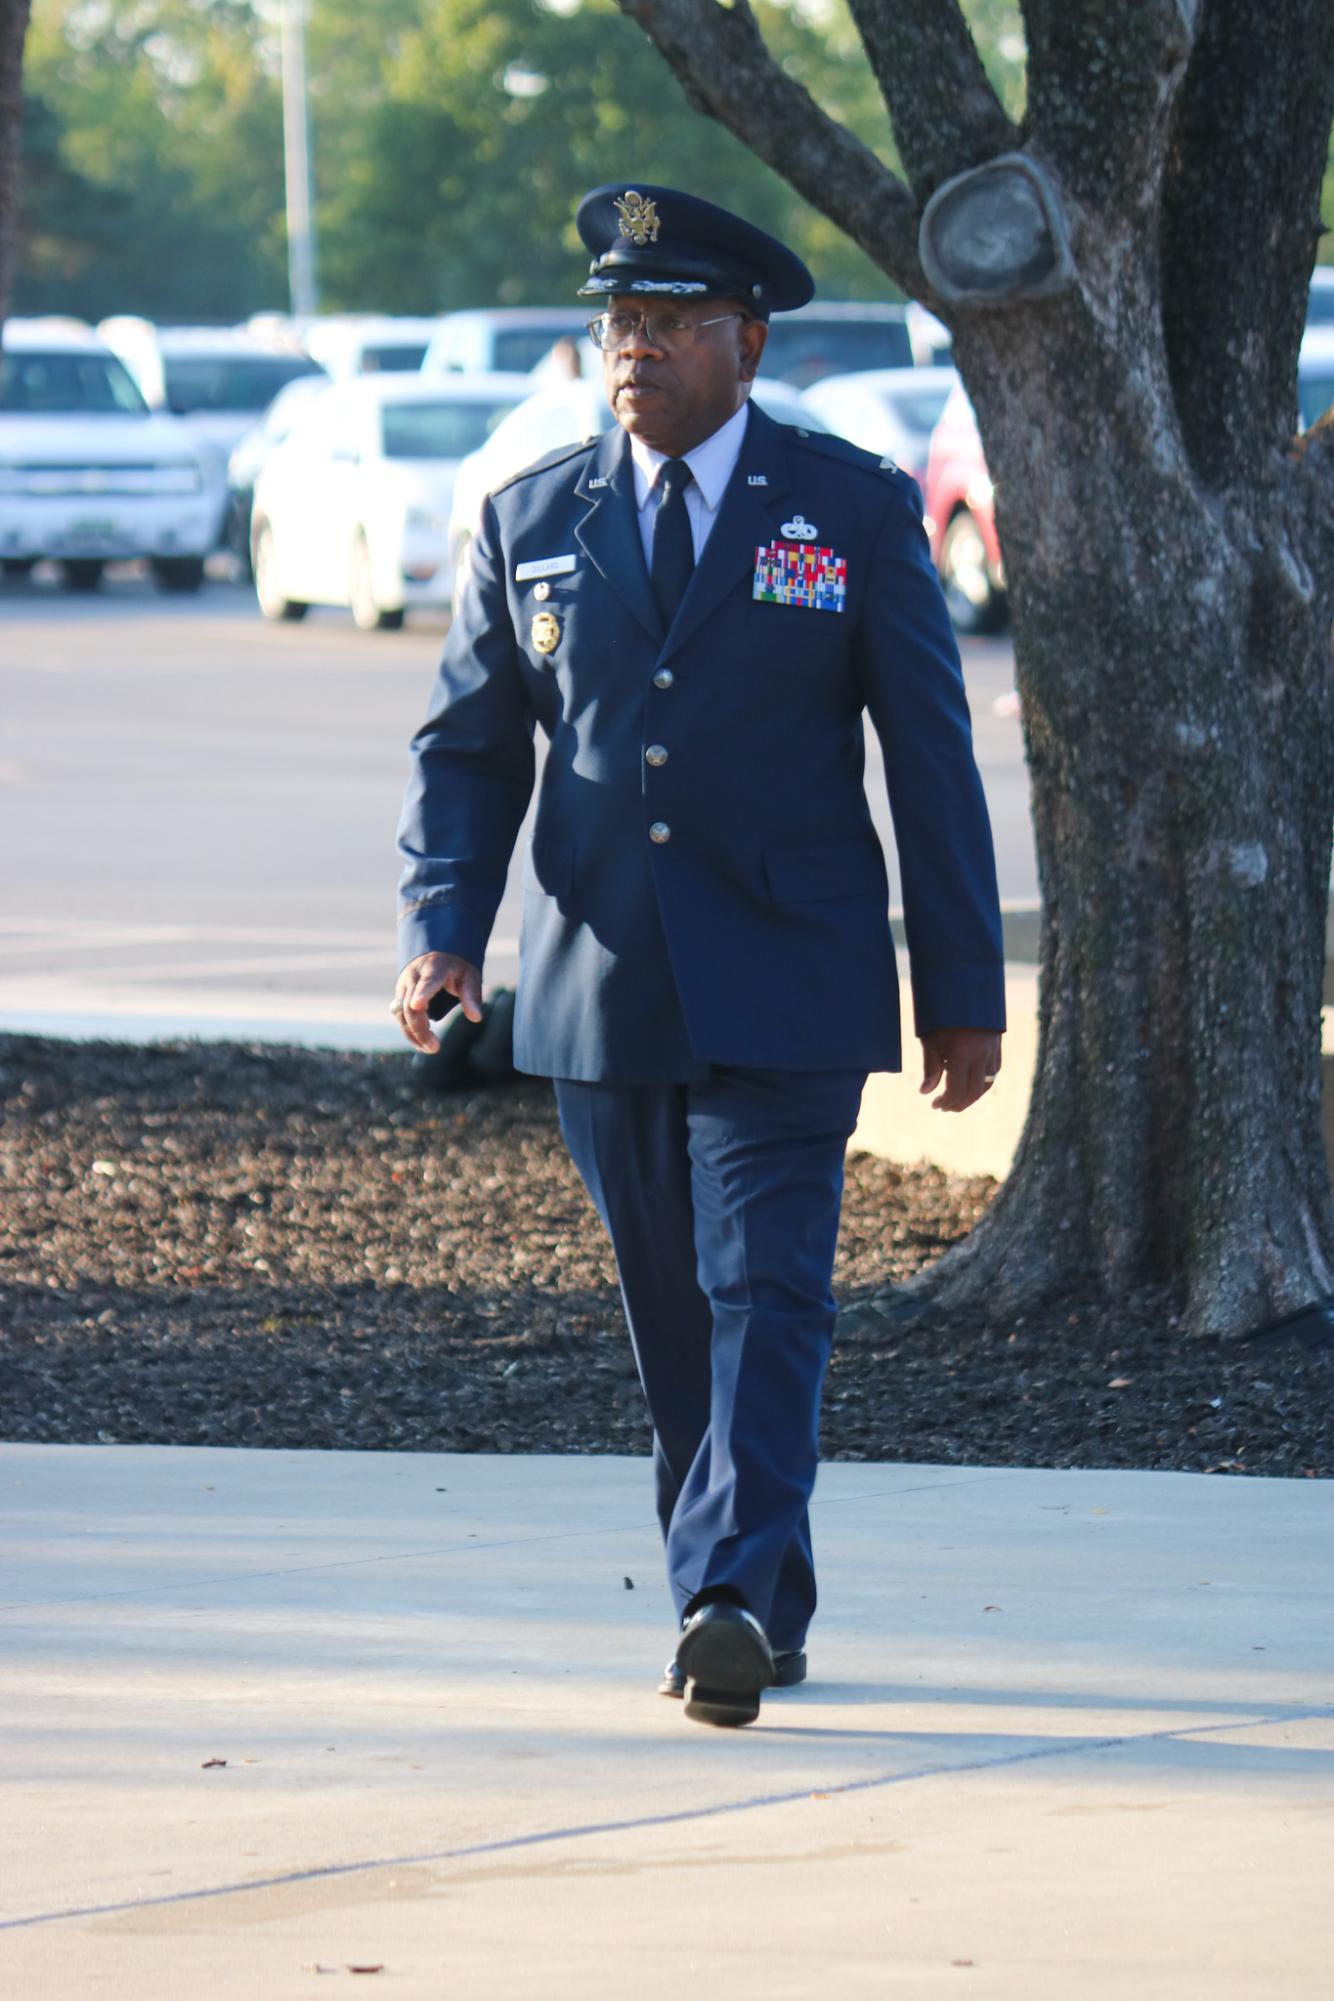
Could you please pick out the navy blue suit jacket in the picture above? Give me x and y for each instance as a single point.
(758, 932)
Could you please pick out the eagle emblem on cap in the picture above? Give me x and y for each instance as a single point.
(639, 218)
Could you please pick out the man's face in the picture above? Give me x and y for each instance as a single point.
(673, 397)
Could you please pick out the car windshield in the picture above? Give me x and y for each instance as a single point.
(229, 381)
(919, 409)
(802, 351)
(1315, 394)
(68, 383)
(392, 357)
(439, 430)
(521, 348)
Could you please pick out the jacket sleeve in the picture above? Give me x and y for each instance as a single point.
(472, 772)
(913, 686)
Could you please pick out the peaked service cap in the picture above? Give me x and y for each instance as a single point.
(666, 244)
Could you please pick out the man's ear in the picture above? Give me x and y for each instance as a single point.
(751, 337)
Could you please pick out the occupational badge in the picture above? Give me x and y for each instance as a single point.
(799, 529)
(639, 218)
(801, 575)
(546, 632)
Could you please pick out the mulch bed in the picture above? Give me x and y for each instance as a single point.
(231, 1244)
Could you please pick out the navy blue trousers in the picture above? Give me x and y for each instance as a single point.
(721, 1198)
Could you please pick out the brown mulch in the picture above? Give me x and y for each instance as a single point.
(231, 1244)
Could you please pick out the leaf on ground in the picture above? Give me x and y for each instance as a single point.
(1120, 1382)
(366, 1969)
(209, 1763)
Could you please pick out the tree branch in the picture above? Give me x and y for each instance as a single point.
(1102, 82)
(1241, 222)
(945, 114)
(726, 70)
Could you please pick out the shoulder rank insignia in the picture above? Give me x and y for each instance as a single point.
(546, 631)
(797, 574)
(639, 218)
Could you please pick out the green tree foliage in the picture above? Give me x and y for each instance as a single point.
(451, 139)
(495, 113)
(152, 149)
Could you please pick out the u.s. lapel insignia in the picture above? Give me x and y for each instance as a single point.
(796, 574)
(799, 529)
(639, 218)
(757, 479)
(546, 631)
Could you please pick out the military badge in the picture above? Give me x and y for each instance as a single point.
(798, 574)
(799, 529)
(546, 632)
(639, 218)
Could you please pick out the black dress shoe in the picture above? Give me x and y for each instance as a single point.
(789, 1669)
(726, 1660)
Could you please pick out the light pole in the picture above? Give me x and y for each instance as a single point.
(296, 155)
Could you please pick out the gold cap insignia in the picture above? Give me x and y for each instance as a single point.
(546, 632)
(639, 218)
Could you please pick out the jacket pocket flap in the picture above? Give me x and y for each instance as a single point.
(819, 871)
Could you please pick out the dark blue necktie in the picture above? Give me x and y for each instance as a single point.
(673, 546)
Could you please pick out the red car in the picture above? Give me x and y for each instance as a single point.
(961, 521)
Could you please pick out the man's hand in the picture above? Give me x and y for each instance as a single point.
(427, 975)
(968, 1059)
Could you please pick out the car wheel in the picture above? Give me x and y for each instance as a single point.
(268, 589)
(366, 611)
(975, 604)
(18, 566)
(178, 573)
(82, 573)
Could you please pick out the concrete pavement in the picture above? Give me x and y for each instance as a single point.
(1068, 1734)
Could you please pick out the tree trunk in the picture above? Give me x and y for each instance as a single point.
(1173, 663)
(13, 29)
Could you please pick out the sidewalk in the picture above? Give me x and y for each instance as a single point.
(1069, 1737)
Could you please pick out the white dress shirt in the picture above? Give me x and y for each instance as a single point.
(711, 464)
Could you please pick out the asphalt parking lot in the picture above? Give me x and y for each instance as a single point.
(198, 808)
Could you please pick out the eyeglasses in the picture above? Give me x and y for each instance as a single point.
(663, 330)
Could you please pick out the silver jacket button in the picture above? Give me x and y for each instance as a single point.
(660, 832)
(663, 678)
(655, 755)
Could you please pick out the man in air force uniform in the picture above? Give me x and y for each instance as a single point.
(697, 608)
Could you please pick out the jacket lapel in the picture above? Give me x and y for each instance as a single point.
(750, 514)
(609, 532)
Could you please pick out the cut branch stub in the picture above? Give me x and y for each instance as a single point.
(995, 235)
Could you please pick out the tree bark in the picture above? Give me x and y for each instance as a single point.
(1170, 559)
(13, 29)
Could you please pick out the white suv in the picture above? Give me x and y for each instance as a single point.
(88, 475)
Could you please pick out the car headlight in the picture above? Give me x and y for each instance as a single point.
(180, 476)
(426, 519)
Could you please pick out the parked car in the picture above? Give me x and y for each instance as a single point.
(1315, 375)
(249, 455)
(218, 380)
(564, 413)
(836, 339)
(961, 520)
(352, 508)
(369, 343)
(506, 338)
(892, 411)
(88, 474)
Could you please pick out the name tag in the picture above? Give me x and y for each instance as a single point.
(547, 566)
(797, 573)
